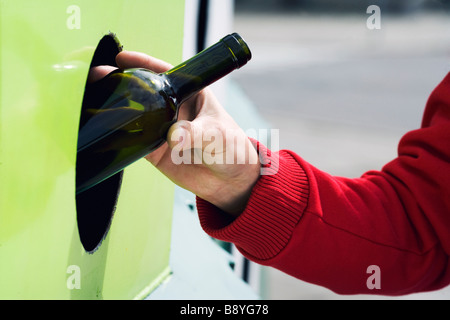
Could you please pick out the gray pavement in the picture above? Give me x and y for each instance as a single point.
(340, 94)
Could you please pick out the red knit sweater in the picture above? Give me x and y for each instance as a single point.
(328, 230)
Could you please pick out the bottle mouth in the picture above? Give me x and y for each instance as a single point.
(239, 48)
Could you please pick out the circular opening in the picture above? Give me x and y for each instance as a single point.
(96, 205)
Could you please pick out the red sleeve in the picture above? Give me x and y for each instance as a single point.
(329, 230)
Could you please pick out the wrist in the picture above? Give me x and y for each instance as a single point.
(236, 185)
(234, 197)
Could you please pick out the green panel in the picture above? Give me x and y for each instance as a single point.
(45, 51)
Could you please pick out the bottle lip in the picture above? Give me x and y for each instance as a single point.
(238, 47)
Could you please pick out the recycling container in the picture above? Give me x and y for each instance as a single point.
(115, 242)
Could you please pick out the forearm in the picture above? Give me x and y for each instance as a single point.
(328, 230)
(263, 229)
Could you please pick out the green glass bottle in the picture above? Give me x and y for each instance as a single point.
(127, 114)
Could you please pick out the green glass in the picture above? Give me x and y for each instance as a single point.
(127, 114)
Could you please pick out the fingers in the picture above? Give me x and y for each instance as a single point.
(198, 141)
(131, 59)
(97, 73)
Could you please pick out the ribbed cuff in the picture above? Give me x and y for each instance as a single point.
(275, 207)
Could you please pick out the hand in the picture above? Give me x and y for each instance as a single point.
(223, 177)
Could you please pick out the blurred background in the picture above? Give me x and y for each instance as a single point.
(341, 94)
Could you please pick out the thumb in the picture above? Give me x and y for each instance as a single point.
(185, 135)
(181, 139)
(188, 140)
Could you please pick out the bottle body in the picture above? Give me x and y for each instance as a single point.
(127, 114)
(123, 119)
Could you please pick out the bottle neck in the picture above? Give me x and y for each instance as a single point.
(206, 67)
